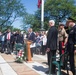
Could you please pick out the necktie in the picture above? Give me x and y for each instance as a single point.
(8, 36)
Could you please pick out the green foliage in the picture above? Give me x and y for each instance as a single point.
(16, 29)
(10, 10)
(31, 20)
(4, 28)
(59, 9)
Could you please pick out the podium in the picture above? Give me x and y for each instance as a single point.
(28, 43)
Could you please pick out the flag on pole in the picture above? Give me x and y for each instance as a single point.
(39, 3)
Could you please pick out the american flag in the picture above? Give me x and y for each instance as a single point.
(39, 3)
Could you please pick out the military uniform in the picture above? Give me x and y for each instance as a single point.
(71, 46)
(62, 35)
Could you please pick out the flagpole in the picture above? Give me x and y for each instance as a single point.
(42, 15)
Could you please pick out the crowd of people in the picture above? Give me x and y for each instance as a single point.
(62, 39)
(45, 42)
(38, 40)
(8, 39)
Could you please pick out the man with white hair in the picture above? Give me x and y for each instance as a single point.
(51, 22)
(51, 45)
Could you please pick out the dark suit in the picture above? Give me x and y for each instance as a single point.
(3, 43)
(19, 38)
(12, 41)
(52, 44)
(71, 46)
(8, 42)
(31, 37)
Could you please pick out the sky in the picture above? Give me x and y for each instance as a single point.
(31, 7)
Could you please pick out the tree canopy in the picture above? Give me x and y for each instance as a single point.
(9, 11)
(59, 10)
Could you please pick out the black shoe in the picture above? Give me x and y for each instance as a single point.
(2, 51)
(8, 52)
(63, 67)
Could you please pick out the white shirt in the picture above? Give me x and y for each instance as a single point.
(44, 40)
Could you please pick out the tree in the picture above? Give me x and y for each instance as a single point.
(9, 11)
(59, 9)
(32, 21)
(16, 29)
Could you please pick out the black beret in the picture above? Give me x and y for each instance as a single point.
(71, 19)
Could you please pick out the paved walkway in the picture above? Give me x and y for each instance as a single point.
(1, 72)
(5, 67)
(10, 67)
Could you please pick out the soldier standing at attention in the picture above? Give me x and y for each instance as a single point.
(62, 37)
(71, 44)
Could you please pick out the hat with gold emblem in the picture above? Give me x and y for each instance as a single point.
(70, 19)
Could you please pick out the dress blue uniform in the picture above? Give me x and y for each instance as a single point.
(71, 46)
